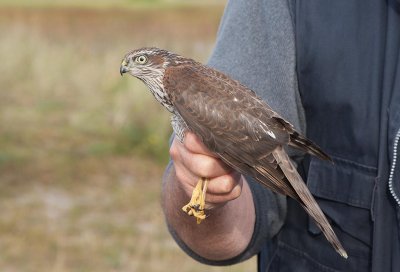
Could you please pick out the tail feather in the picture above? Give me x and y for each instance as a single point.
(307, 200)
(308, 146)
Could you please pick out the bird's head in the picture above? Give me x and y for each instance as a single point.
(149, 65)
(145, 62)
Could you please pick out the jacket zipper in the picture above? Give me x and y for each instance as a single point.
(393, 167)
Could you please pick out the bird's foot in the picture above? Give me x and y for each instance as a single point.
(196, 205)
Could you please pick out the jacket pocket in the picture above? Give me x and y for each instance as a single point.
(344, 191)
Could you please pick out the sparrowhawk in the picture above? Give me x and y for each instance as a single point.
(232, 122)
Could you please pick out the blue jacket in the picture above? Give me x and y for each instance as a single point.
(348, 65)
(346, 62)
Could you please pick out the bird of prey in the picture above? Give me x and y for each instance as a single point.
(232, 122)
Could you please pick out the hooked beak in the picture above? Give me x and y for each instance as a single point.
(123, 69)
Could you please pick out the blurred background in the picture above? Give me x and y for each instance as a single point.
(82, 150)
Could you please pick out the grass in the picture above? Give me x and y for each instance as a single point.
(82, 150)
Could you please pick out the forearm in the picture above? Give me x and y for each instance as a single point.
(223, 235)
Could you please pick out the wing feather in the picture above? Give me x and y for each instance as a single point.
(245, 139)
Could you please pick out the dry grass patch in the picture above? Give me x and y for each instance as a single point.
(82, 149)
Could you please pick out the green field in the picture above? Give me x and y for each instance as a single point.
(82, 150)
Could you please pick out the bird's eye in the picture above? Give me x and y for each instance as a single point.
(142, 59)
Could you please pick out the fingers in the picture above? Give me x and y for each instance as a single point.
(195, 145)
(197, 158)
(223, 193)
(203, 165)
(224, 184)
(193, 160)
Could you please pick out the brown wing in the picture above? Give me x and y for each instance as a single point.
(231, 121)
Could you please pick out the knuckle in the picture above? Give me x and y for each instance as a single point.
(205, 167)
(189, 140)
(173, 151)
(227, 184)
(236, 191)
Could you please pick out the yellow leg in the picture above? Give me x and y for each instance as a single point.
(197, 203)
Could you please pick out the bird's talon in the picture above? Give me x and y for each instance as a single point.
(196, 205)
(197, 208)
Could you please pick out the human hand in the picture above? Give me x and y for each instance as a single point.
(193, 160)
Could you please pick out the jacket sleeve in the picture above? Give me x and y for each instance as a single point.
(255, 45)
